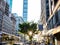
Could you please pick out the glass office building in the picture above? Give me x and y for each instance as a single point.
(25, 10)
(8, 7)
(10, 4)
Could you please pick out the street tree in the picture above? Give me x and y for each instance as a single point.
(25, 28)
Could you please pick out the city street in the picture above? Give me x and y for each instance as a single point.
(29, 22)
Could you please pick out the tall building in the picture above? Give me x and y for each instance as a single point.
(2, 10)
(44, 12)
(52, 23)
(19, 20)
(6, 23)
(10, 5)
(13, 19)
(7, 9)
(25, 10)
(2, 6)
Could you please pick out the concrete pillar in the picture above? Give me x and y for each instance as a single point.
(56, 41)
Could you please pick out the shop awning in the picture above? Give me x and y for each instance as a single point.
(9, 34)
(53, 31)
(56, 30)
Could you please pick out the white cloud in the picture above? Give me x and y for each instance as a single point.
(33, 9)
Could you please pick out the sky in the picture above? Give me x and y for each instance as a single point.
(34, 9)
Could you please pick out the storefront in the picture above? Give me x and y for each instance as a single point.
(8, 39)
(57, 36)
(53, 36)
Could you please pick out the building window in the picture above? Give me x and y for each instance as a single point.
(56, 16)
(59, 15)
(55, 2)
(54, 21)
(0, 17)
(0, 12)
(25, 3)
(0, 26)
(48, 26)
(0, 21)
(47, 14)
(47, 1)
(51, 23)
(24, 14)
(25, 19)
(25, 10)
(25, 6)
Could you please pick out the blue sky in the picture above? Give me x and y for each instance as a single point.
(34, 9)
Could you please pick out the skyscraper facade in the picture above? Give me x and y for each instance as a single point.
(7, 24)
(10, 4)
(19, 20)
(53, 24)
(51, 19)
(25, 10)
(44, 12)
(4, 17)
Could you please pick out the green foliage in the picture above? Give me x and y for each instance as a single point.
(33, 27)
(26, 27)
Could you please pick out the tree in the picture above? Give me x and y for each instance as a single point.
(33, 27)
(26, 27)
